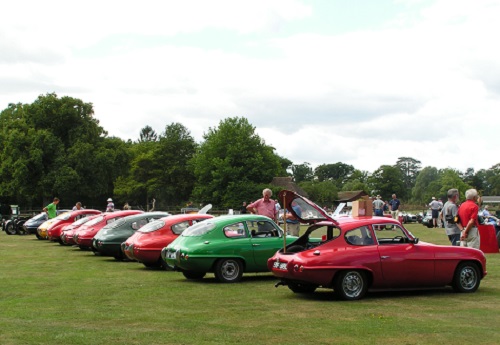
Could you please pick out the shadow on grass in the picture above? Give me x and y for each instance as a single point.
(327, 295)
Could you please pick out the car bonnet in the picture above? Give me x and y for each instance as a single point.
(303, 209)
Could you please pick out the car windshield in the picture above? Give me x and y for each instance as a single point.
(95, 220)
(64, 216)
(153, 226)
(307, 211)
(40, 216)
(199, 229)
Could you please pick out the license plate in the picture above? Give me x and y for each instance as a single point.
(280, 265)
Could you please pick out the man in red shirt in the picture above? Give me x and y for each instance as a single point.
(467, 213)
(265, 206)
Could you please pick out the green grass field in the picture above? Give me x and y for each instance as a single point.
(51, 294)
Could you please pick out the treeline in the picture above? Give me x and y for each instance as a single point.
(55, 147)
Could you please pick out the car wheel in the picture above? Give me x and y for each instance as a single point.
(228, 270)
(467, 277)
(302, 288)
(193, 274)
(9, 229)
(38, 236)
(351, 285)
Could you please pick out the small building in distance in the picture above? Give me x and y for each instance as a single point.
(287, 183)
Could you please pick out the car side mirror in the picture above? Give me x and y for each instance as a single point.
(415, 240)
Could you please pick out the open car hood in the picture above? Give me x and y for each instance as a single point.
(304, 209)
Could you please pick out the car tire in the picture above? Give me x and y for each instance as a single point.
(193, 275)
(9, 229)
(467, 277)
(350, 285)
(38, 236)
(302, 288)
(228, 270)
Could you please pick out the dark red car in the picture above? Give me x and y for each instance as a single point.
(83, 237)
(146, 244)
(54, 230)
(357, 254)
(69, 230)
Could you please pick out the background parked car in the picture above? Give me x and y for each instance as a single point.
(146, 244)
(54, 230)
(83, 237)
(108, 240)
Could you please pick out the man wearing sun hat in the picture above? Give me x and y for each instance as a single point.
(110, 207)
(435, 207)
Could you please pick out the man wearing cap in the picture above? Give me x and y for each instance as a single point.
(110, 207)
(378, 206)
(435, 207)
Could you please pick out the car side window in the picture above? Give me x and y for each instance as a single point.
(180, 227)
(262, 228)
(236, 230)
(359, 237)
(390, 234)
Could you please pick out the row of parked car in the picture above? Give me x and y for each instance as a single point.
(347, 254)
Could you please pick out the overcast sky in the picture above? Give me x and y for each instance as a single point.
(362, 82)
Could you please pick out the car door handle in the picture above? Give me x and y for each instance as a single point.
(385, 257)
(255, 244)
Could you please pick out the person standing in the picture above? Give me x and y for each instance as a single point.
(435, 207)
(292, 223)
(265, 207)
(243, 209)
(450, 210)
(468, 213)
(378, 206)
(110, 207)
(78, 206)
(395, 204)
(51, 209)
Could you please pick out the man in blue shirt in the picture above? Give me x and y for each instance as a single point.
(292, 223)
(395, 203)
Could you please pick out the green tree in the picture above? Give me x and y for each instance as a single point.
(450, 178)
(175, 178)
(338, 172)
(426, 185)
(410, 167)
(232, 164)
(147, 134)
(321, 192)
(55, 147)
(387, 180)
(302, 172)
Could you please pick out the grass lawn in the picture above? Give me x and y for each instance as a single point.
(51, 294)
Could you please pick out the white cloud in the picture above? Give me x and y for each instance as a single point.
(425, 88)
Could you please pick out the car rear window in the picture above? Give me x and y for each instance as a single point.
(199, 229)
(95, 220)
(153, 226)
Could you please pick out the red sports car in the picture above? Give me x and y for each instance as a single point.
(69, 230)
(357, 254)
(146, 244)
(54, 230)
(83, 237)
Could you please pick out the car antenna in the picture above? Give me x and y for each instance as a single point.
(284, 222)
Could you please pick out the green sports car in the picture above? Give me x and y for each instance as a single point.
(226, 246)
